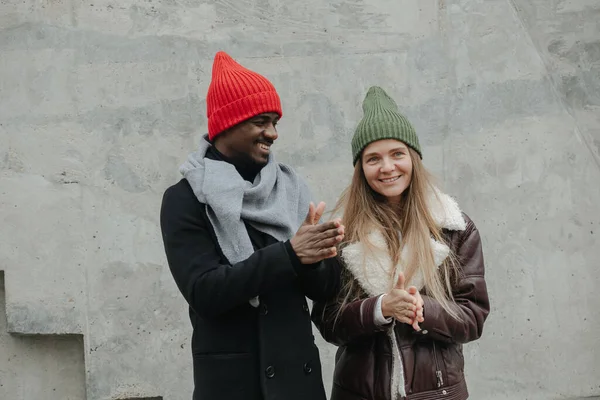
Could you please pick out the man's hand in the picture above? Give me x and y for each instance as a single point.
(399, 303)
(313, 243)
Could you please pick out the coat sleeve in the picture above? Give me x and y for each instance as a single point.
(320, 281)
(470, 296)
(356, 319)
(210, 286)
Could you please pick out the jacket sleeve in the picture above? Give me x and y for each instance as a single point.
(470, 295)
(210, 286)
(356, 319)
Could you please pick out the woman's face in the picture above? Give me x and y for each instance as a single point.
(387, 166)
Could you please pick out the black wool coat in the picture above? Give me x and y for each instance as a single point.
(239, 351)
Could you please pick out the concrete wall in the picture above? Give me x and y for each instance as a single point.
(101, 100)
(39, 366)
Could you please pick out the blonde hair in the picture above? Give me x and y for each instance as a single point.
(365, 211)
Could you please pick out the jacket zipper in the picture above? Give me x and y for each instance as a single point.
(438, 371)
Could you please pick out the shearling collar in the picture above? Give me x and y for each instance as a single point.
(371, 268)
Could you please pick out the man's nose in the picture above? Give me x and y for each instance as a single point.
(271, 132)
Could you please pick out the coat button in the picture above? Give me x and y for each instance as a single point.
(270, 371)
(305, 307)
(307, 369)
(263, 309)
(424, 331)
(444, 392)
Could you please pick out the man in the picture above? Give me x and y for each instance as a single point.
(244, 247)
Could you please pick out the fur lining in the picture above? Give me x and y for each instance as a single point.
(397, 369)
(372, 268)
(445, 212)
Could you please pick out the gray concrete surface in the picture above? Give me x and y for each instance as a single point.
(100, 101)
(39, 367)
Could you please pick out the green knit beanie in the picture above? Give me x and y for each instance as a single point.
(382, 121)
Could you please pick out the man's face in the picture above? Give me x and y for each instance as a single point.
(250, 141)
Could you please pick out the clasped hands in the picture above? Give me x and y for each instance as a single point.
(404, 305)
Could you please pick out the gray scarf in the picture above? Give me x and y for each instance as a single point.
(276, 203)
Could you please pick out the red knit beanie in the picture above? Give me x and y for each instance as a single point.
(236, 94)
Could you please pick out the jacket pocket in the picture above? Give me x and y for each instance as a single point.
(428, 370)
(454, 363)
(437, 359)
(225, 376)
(356, 360)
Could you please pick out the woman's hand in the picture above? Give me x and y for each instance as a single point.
(400, 304)
(413, 291)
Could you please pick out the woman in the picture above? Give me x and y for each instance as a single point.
(412, 287)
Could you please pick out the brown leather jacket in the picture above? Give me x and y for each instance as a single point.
(432, 360)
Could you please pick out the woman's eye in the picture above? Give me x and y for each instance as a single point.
(398, 154)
